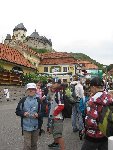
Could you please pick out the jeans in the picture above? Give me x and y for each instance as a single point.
(77, 120)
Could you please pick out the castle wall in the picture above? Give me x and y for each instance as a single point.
(38, 44)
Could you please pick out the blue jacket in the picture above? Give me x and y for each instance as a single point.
(31, 105)
(82, 105)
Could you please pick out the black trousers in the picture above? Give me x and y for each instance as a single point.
(89, 145)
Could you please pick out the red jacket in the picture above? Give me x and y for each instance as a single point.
(95, 105)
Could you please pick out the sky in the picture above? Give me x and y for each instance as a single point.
(79, 26)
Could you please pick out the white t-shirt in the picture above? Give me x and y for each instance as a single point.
(79, 90)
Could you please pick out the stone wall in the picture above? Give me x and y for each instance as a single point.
(15, 93)
(36, 43)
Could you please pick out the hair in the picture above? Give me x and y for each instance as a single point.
(96, 81)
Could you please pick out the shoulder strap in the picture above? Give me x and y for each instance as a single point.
(18, 107)
(22, 101)
(39, 104)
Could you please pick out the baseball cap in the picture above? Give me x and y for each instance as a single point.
(31, 86)
(96, 81)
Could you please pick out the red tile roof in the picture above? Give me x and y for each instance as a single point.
(91, 66)
(57, 61)
(56, 58)
(14, 56)
(87, 64)
(84, 62)
(56, 55)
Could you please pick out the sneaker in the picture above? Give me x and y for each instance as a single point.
(53, 145)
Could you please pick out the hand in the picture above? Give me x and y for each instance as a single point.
(43, 97)
(26, 114)
(35, 115)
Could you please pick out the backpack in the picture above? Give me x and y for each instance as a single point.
(69, 96)
(67, 111)
(105, 122)
(72, 87)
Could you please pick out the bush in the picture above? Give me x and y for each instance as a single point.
(34, 78)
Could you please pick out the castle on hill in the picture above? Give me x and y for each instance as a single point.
(33, 41)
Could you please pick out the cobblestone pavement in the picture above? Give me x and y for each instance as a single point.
(10, 131)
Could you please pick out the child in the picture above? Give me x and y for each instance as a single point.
(29, 110)
(57, 105)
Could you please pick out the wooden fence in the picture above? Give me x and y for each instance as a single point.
(10, 78)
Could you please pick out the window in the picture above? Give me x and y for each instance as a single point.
(45, 69)
(65, 69)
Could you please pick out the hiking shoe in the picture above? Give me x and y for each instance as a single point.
(53, 145)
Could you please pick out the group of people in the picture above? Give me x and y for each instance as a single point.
(50, 101)
(32, 108)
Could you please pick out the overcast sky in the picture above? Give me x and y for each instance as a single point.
(80, 26)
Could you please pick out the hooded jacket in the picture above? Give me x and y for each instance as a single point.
(95, 104)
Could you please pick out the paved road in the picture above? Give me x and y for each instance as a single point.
(10, 131)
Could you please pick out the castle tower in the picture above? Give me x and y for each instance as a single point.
(7, 39)
(19, 32)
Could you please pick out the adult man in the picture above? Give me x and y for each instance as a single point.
(77, 122)
(29, 110)
(95, 140)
